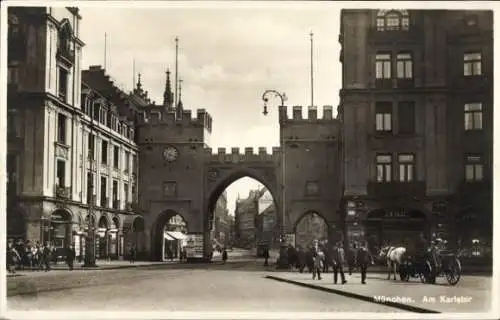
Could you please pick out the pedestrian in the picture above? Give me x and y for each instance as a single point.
(46, 255)
(266, 256)
(224, 255)
(338, 263)
(12, 258)
(363, 260)
(132, 254)
(70, 257)
(317, 264)
(351, 257)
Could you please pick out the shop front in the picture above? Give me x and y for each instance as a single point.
(114, 240)
(102, 239)
(57, 231)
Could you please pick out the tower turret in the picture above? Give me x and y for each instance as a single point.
(168, 96)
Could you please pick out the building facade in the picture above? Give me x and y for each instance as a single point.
(267, 228)
(222, 221)
(55, 189)
(416, 108)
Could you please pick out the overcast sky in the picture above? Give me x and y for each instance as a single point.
(228, 56)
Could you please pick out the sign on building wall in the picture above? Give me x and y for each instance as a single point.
(194, 246)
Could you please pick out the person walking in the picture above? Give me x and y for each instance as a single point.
(351, 257)
(317, 264)
(266, 257)
(224, 256)
(363, 260)
(132, 254)
(70, 257)
(338, 263)
(46, 255)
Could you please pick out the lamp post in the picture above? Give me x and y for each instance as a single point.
(90, 242)
(282, 262)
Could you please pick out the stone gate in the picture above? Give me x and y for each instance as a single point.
(180, 174)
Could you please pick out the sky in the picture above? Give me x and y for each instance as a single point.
(228, 55)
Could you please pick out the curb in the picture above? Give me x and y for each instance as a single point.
(397, 305)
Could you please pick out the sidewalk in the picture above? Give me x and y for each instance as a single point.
(101, 265)
(471, 294)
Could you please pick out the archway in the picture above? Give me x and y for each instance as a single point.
(115, 242)
(395, 226)
(59, 231)
(242, 212)
(102, 240)
(169, 236)
(311, 229)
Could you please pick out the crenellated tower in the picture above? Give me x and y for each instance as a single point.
(312, 166)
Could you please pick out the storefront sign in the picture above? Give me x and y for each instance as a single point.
(396, 213)
(194, 246)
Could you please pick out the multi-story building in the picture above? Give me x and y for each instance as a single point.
(267, 230)
(55, 155)
(246, 211)
(221, 227)
(416, 107)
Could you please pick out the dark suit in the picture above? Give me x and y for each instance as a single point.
(338, 262)
(70, 257)
(364, 259)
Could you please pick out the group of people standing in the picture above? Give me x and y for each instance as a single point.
(22, 255)
(319, 257)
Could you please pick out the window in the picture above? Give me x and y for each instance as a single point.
(473, 116)
(90, 187)
(104, 152)
(115, 194)
(13, 26)
(97, 110)
(406, 117)
(125, 191)
(472, 64)
(12, 120)
(384, 167)
(134, 163)
(104, 186)
(133, 192)
(116, 156)
(12, 172)
(406, 167)
(383, 66)
(131, 137)
(83, 102)
(91, 146)
(127, 161)
(60, 173)
(118, 127)
(383, 116)
(64, 37)
(61, 128)
(404, 66)
(63, 83)
(13, 74)
(390, 20)
(473, 168)
(104, 116)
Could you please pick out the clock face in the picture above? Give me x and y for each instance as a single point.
(170, 154)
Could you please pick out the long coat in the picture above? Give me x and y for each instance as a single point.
(338, 256)
(363, 257)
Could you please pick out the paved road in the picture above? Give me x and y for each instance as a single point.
(237, 286)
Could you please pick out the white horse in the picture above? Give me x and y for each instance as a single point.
(394, 258)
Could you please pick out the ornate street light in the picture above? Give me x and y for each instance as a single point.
(282, 262)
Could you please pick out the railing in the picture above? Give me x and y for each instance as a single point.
(397, 35)
(62, 192)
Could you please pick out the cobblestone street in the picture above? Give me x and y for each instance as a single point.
(240, 285)
(233, 287)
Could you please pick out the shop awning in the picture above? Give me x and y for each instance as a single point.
(167, 236)
(176, 235)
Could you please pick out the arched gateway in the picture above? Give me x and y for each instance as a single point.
(181, 176)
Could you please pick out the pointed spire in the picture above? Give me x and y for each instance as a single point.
(168, 96)
(139, 84)
(180, 106)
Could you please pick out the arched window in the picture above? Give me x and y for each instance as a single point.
(390, 20)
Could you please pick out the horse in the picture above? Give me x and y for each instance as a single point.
(394, 258)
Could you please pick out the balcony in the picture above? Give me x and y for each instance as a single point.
(66, 56)
(92, 199)
(116, 204)
(397, 36)
(105, 202)
(396, 189)
(62, 192)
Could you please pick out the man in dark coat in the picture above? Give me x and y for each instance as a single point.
(70, 257)
(46, 256)
(266, 256)
(338, 262)
(363, 260)
(351, 257)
